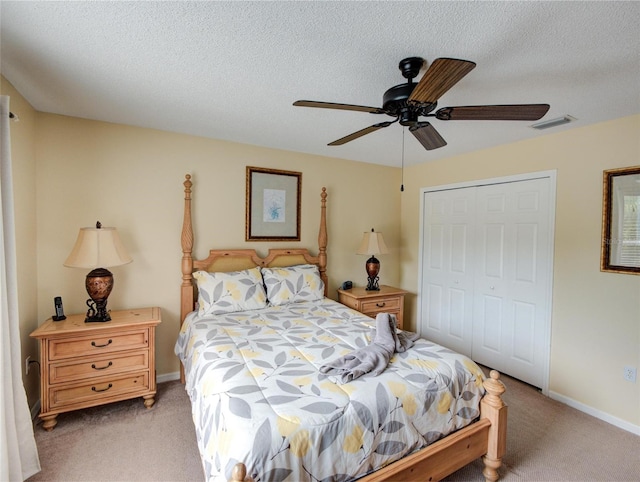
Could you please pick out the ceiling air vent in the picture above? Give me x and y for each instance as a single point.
(565, 119)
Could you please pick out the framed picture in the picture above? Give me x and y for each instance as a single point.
(621, 221)
(273, 205)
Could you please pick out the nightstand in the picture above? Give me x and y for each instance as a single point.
(370, 303)
(87, 364)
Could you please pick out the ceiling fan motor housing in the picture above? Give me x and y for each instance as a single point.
(395, 104)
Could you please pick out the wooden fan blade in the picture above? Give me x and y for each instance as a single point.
(528, 112)
(427, 135)
(333, 105)
(360, 133)
(441, 75)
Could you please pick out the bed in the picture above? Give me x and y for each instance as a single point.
(251, 353)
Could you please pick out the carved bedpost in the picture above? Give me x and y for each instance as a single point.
(493, 408)
(322, 240)
(186, 290)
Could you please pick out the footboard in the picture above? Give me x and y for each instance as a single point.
(486, 438)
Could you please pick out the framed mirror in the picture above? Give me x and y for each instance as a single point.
(621, 221)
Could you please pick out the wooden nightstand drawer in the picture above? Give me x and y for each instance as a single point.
(97, 344)
(98, 366)
(381, 305)
(350, 302)
(99, 389)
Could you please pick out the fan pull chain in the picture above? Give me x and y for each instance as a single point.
(402, 166)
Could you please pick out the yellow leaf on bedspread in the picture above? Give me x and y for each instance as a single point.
(354, 441)
(300, 443)
(302, 381)
(234, 290)
(302, 322)
(408, 401)
(475, 370)
(248, 353)
(287, 426)
(311, 280)
(398, 389)
(428, 364)
(306, 356)
(335, 388)
(445, 402)
(409, 404)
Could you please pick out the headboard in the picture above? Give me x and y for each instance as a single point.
(239, 259)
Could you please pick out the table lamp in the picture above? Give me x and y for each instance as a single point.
(372, 243)
(98, 248)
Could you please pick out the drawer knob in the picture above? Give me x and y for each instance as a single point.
(103, 389)
(93, 365)
(93, 343)
(380, 305)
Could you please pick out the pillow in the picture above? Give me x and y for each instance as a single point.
(230, 292)
(293, 284)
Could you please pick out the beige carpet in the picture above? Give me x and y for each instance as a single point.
(126, 442)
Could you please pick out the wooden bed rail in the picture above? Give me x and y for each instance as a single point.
(486, 438)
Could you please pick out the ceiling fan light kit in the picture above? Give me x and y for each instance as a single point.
(409, 101)
(558, 121)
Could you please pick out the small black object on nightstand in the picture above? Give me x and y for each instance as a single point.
(59, 316)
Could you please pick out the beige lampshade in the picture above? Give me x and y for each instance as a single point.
(98, 248)
(372, 243)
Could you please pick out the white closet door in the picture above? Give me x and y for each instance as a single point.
(447, 274)
(512, 279)
(486, 274)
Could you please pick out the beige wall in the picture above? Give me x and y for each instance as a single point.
(595, 316)
(23, 136)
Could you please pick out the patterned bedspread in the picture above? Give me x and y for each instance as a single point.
(258, 397)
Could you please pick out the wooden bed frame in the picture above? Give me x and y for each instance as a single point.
(484, 438)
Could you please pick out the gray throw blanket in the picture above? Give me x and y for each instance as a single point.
(374, 357)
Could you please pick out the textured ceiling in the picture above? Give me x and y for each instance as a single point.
(231, 70)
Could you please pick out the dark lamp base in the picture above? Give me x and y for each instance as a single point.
(99, 284)
(373, 268)
(97, 312)
(372, 284)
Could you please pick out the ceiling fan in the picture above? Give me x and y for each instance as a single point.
(409, 101)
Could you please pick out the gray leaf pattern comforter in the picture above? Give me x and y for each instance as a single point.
(258, 396)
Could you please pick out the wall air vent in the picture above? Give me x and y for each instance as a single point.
(565, 119)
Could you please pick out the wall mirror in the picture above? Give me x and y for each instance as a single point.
(621, 221)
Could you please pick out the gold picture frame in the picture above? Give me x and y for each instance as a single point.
(273, 205)
(620, 251)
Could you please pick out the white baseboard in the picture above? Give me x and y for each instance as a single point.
(618, 422)
(168, 377)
